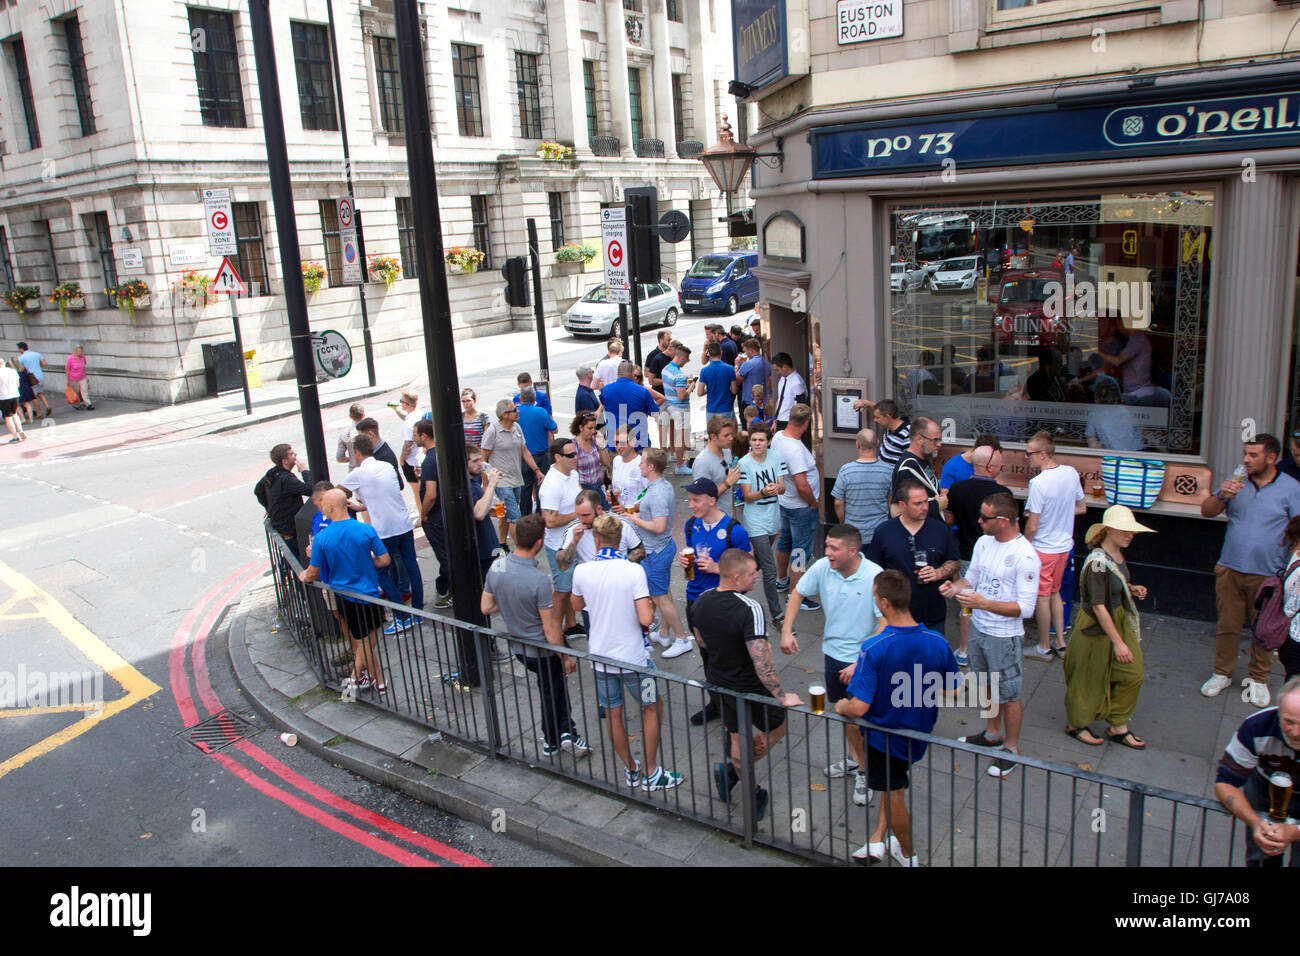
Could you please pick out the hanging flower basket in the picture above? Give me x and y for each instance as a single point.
(130, 296)
(313, 274)
(23, 299)
(385, 269)
(67, 295)
(194, 289)
(464, 259)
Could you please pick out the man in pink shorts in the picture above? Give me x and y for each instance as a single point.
(1055, 497)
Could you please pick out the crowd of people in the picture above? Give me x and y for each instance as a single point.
(911, 540)
(22, 389)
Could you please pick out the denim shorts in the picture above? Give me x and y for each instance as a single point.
(991, 654)
(610, 687)
(798, 532)
(561, 581)
(658, 566)
(511, 497)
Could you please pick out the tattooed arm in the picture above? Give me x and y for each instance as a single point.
(760, 652)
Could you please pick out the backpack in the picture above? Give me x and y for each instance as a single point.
(731, 524)
(261, 490)
(1271, 627)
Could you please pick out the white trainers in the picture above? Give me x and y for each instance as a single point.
(1037, 653)
(862, 794)
(1255, 694)
(841, 768)
(660, 639)
(871, 853)
(1215, 685)
(896, 851)
(683, 645)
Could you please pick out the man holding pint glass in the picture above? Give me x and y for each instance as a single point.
(1257, 776)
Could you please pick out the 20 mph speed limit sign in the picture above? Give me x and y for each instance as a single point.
(220, 220)
(613, 234)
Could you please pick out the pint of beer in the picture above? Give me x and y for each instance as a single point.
(965, 611)
(1098, 490)
(613, 495)
(499, 509)
(817, 698)
(1279, 796)
(634, 508)
(690, 563)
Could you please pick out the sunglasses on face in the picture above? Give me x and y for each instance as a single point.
(566, 454)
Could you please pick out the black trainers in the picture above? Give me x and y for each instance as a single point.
(1001, 767)
(981, 740)
(760, 803)
(724, 778)
(702, 717)
(576, 630)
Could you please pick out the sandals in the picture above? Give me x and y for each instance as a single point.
(1127, 739)
(1095, 742)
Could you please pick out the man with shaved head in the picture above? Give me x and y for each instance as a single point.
(346, 555)
(861, 491)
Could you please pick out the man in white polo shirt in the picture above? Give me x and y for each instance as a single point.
(1003, 574)
(376, 484)
(1055, 497)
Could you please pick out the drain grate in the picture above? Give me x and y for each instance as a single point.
(218, 731)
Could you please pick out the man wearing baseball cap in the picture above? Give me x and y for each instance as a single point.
(708, 533)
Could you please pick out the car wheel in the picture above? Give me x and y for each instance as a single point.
(616, 329)
(670, 318)
(732, 305)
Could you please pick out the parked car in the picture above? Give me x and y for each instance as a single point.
(1019, 317)
(906, 275)
(593, 314)
(721, 281)
(957, 275)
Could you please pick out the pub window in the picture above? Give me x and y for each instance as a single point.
(464, 76)
(1085, 315)
(530, 100)
(216, 68)
(482, 232)
(311, 60)
(329, 228)
(250, 262)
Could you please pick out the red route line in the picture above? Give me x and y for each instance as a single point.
(176, 659)
(356, 834)
(224, 591)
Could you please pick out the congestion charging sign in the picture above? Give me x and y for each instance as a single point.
(857, 21)
(613, 235)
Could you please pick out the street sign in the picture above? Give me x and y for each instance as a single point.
(353, 273)
(186, 255)
(227, 280)
(220, 220)
(333, 355)
(674, 226)
(613, 235)
(133, 258)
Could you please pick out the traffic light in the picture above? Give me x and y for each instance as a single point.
(645, 236)
(516, 274)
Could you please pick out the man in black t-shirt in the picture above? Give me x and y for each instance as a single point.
(383, 452)
(657, 359)
(966, 496)
(733, 629)
(900, 543)
(431, 510)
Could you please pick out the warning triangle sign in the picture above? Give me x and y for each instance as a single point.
(227, 280)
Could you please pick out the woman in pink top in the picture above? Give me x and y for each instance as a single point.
(76, 369)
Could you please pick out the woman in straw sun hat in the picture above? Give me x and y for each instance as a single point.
(1103, 663)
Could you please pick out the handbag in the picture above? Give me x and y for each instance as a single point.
(71, 395)
(1134, 482)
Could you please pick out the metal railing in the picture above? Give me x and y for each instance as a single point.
(649, 148)
(606, 146)
(458, 679)
(689, 149)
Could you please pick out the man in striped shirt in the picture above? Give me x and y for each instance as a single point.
(1267, 744)
(894, 429)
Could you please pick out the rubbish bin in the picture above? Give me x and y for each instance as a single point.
(221, 367)
(252, 368)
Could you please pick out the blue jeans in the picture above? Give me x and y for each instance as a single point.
(402, 572)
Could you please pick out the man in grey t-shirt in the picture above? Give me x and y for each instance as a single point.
(504, 448)
(714, 462)
(520, 591)
(654, 523)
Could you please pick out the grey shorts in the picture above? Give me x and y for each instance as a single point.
(990, 655)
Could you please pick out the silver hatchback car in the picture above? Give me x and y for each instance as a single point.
(594, 315)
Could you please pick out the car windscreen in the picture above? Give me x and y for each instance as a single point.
(1026, 290)
(895, 267)
(957, 265)
(710, 267)
(595, 295)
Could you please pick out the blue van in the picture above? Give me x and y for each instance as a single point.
(722, 281)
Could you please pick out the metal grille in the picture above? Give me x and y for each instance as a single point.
(218, 732)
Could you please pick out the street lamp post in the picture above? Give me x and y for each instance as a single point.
(728, 162)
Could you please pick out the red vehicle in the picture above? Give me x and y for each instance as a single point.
(1019, 317)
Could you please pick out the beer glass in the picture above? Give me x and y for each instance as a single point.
(690, 563)
(613, 496)
(1098, 490)
(499, 509)
(965, 611)
(817, 698)
(1279, 796)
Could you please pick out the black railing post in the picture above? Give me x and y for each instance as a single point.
(483, 648)
(1136, 807)
(747, 782)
